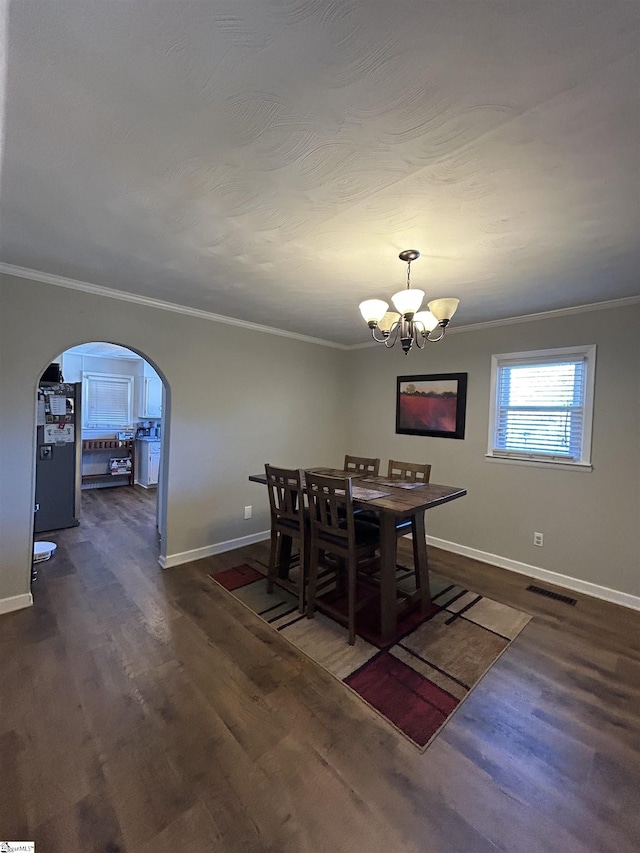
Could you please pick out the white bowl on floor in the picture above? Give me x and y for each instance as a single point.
(43, 550)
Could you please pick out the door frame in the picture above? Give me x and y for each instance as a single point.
(165, 441)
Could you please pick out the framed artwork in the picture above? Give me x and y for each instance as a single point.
(432, 405)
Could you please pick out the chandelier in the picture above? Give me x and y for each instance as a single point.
(407, 323)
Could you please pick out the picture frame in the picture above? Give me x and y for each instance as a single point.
(433, 404)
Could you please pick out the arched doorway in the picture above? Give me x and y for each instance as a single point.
(119, 433)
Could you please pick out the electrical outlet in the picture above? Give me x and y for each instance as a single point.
(538, 539)
(248, 511)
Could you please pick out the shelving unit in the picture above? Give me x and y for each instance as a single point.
(123, 447)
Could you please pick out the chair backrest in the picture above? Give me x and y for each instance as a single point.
(362, 465)
(286, 495)
(411, 471)
(331, 508)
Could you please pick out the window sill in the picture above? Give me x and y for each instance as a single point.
(538, 463)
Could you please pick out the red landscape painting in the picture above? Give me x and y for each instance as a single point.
(431, 411)
(432, 405)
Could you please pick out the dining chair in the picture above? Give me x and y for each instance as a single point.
(410, 471)
(413, 472)
(362, 465)
(289, 521)
(336, 532)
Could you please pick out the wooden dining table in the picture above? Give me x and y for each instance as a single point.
(393, 500)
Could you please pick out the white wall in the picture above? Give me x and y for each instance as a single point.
(237, 399)
(590, 521)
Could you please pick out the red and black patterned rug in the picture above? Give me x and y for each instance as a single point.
(417, 681)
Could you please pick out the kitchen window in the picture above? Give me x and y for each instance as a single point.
(107, 400)
(542, 406)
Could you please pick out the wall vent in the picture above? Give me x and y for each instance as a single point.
(549, 594)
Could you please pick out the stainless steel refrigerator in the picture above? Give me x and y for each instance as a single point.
(58, 456)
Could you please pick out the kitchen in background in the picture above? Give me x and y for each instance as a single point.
(122, 403)
(99, 425)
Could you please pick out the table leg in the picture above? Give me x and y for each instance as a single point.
(421, 560)
(388, 605)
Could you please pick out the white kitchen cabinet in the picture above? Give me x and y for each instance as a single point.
(152, 397)
(147, 463)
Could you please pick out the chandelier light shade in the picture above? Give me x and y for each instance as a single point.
(408, 301)
(373, 310)
(408, 323)
(444, 309)
(388, 320)
(427, 319)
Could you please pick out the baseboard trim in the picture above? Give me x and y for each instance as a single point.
(15, 602)
(575, 584)
(172, 560)
(586, 587)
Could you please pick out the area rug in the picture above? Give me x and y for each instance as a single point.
(417, 681)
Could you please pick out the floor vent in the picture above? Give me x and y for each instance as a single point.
(549, 594)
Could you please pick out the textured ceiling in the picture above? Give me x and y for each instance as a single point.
(267, 160)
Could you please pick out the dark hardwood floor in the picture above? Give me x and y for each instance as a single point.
(147, 710)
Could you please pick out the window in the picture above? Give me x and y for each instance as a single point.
(107, 400)
(542, 405)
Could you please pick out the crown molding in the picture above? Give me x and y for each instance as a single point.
(530, 318)
(150, 302)
(548, 315)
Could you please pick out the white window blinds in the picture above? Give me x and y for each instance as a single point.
(542, 406)
(107, 400)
